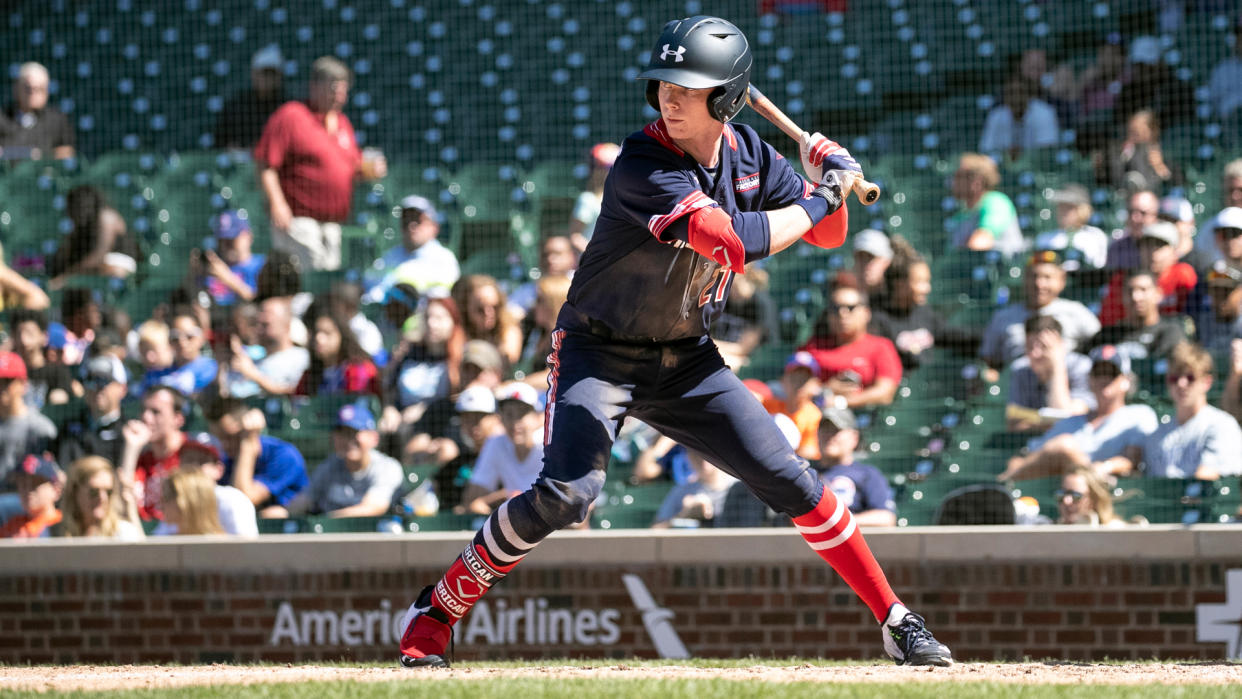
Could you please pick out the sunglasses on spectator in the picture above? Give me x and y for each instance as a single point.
(847, 307)
(177, 335)
(1074, 495)
(1144, 212)
(1177, 379)
(1229, 233)
(100, 492)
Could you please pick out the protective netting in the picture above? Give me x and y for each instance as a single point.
(489, 109)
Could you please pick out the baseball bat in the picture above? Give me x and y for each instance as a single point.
(867, 192)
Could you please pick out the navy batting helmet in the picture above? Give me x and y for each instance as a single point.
(701, 52)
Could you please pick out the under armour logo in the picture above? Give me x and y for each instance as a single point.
(676, 54)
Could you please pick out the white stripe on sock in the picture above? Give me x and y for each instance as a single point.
(495, 551)
(506, 528)
(832, 521)
(836, 540)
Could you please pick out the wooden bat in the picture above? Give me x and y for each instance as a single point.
(867, 192)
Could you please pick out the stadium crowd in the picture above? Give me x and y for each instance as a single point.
(418, 388)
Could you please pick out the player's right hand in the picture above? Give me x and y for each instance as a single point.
(820, 154)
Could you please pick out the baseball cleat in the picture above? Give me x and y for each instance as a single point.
(907, 640)
(428, 631)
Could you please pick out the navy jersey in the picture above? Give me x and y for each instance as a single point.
(670, 235)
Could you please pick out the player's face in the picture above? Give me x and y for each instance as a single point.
(685, 111)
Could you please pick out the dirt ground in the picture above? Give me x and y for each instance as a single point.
(150, 677)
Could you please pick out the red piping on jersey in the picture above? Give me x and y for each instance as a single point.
(730, 136)
(659, 132)
(693, 201)
(554, 370)
(711, 234)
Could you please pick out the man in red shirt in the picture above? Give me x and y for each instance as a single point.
(1157, 248)
(863, 368)
(153, 448)
(308, 159)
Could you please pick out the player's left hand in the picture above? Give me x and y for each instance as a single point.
(820, 154)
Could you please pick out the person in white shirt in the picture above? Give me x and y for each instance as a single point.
(1021, 122)
(508, 463)
(1089, 243)
(237, 514)
(1201, 441)
(420, 260)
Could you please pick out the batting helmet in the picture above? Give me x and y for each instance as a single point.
(701, 52)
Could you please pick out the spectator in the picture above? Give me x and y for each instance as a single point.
(1180, 212)
(269, 471)
(283, 363)
(82, 318)
(188, 499)
(191, 372)
(1144, 332)
(153, 447)
(1083, 498)
(557, 257)
(338, 365)
(486, 315)
(1231, 400)
(357, 480)
(344, 300)
(156, 354)
(50, 383)
(1231, 196)
(551, 293)
(1004, 340)
(863, 368)
(233, 273)
(986, 219)
(23, 430)
(1154, 86)
(1090, 244)
(307, 159)
(421, 260)
(508, 463)
(1225, 84)
(1137, 163)
(586, 207)
(17, 291)
(1158, 254)
(233, 508)
(1142, 210)
(39, 484)
(1201, 441)
(241, 121)
(97, 244)
(426, 367)
(696, 502)
(98, 431)
(1021, 122)
(1049, 380)
(802, 389)
(436, 436)
(454, 443)
(1107, 440)
(749, 318)
(29, 128)
(860, 487)
(873, 252)
(906, 319)
(95, 505)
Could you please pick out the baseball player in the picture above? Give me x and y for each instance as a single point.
(690, 200)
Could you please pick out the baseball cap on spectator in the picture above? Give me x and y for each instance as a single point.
(204, 444)
(102, 370)
(267, 57)
(417, 203)
(355, 416)
(517, 391)
(802, 360)
(476, 399)
(758, 387)
(1072, 194)
(1041, 257)
(1146, 50)
(41, 467)
(874, 243)
(12, 366)
(482, 354)
(1163, 231)
(1110, 359)
(1176, 210)
(838, 418)
(1229, 217)
(227, 225)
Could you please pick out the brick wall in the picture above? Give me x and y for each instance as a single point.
(985, 610)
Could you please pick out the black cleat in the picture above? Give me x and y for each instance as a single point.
(427, 631)
(907, 640)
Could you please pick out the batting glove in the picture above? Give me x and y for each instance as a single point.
(820, 154)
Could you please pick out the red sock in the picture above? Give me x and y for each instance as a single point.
(831, 531)
(467, 580)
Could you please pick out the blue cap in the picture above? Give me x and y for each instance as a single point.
(355, 416)
(56, 335)
(803, 360)
(227, 225)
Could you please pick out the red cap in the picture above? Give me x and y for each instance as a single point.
(12, 366)
(759, 387)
